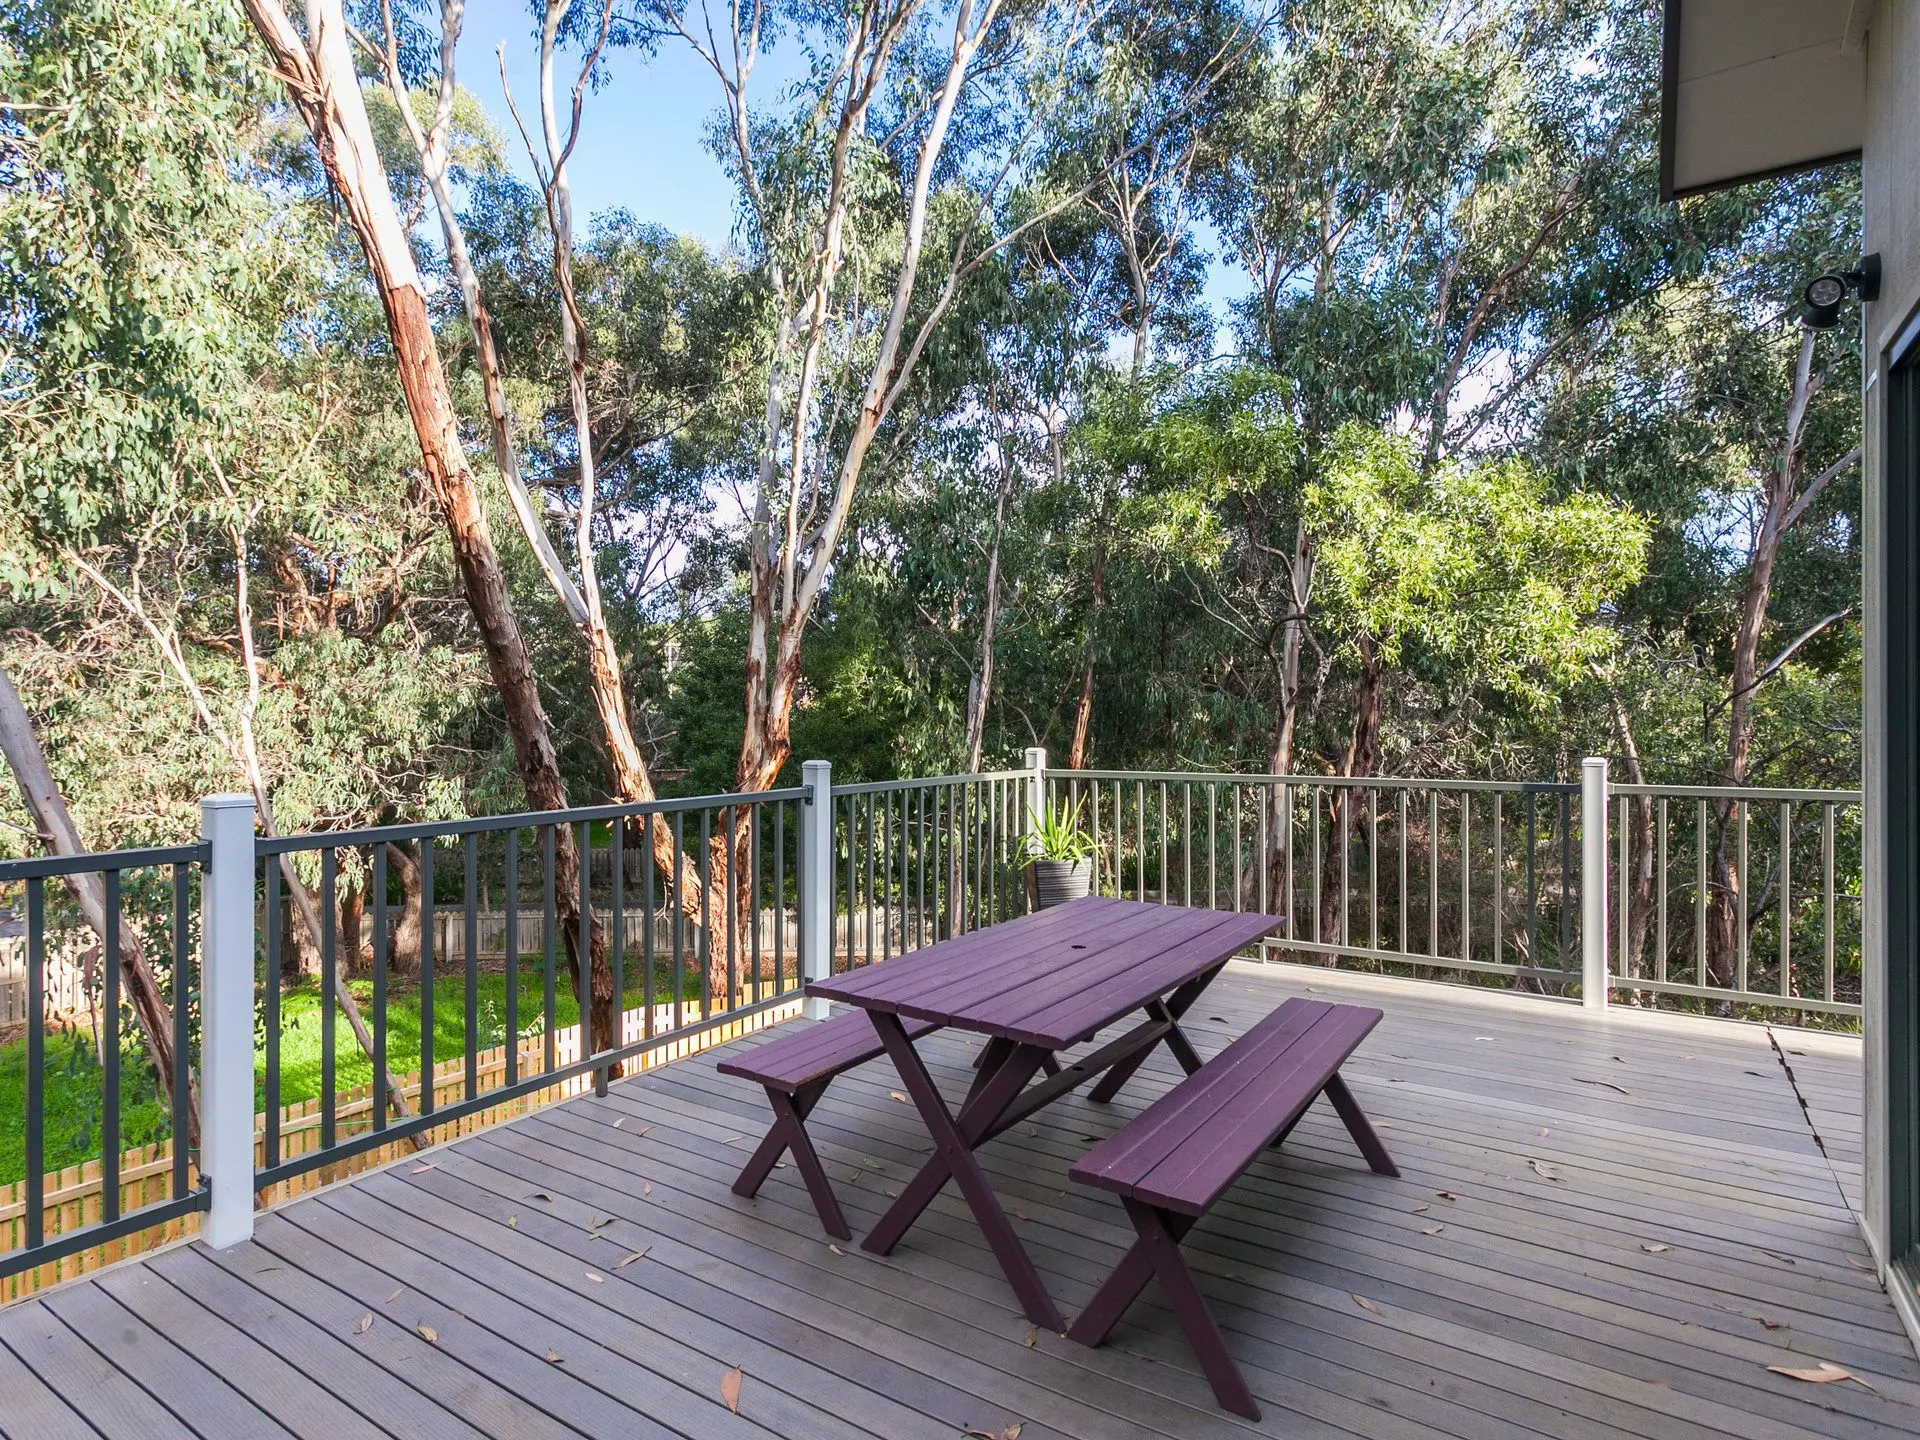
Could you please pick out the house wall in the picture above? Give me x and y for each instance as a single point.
(1891, 182)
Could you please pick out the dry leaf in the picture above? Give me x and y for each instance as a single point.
(1544, 1170)
(1371, 1307)
(1773, 1254)
(553, 1357)
(1826, 1373)
(1033, 1337)
(1016, 1212)
(1656, 1248)
(366, 1324)
(1484, 1039)
(646, 1189)
(1606, 1084)
(1545, 1133)
(1421, 1209)
(730, 1389)
(541, 1195)
(896, 1095)
(621, 1121)
(1012, 1432)
(1446, 1195)
(430, 1165)
(514, 1221)
(428, 1334)
(628, 1259)
(1433, 1230)
(396, 1294)
(1770, 1324)
(596, 1278)
(836, 1249)
(1859, 1264)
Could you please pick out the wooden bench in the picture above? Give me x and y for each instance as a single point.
(796, 1067)
(1174, 1160)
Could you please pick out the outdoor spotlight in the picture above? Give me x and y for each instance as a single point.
(1825, 294)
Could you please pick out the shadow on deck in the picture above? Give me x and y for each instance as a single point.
(1604, 1228)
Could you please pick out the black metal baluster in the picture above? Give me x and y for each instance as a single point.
(37, 1061)
(512, 943)
(182, 1067)
(677, 894)
(470, 845)
(755, 889)
(733, 907)
(780, 898)
(646, 932)
(329, 980)
(379, 886)
(428, 1095)
(706, 914)
(549, 928)
(270, 1004)
(618, 939)
(110, 1046)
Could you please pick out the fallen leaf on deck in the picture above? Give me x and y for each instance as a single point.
(621, 1121)
(1446, 1195)
(630, 1257)
(1606, 1083)
(1775, 1254)
(779, 1164)
(1367, 1305)
(430, 1165)
(366, 1324)
(896, 1095)
(396, 1294)
(646, 1189)
(1383, 1125)
(1825, 1373)
(730, 1389)
(514, 1220)
(1029, 1129)
(836, 1249)
(1545, 1133)
(1033, 1338)
(869, 1162)
(1016, 1212)
(553, 1357)
(1544, 1170)
(1859, 1264)
(596, 1278)
(541, 1195)
(596, 1224)
(1421, 1209)
(428, 1334)
(1218, 1019)
(1656, 1249)
(1433, 1230)
(1484, 1039)
(1771, 1324)
(1012, 1432)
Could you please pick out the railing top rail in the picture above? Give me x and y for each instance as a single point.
(102, 860)
(1741, 792)
(874, 787)
(1345, 782)
(441, 829)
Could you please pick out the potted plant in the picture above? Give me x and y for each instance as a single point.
(1059, 858)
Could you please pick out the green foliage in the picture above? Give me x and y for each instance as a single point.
(1056, 835)
(1469, 562)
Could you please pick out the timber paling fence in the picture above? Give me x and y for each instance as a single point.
(1732, 902)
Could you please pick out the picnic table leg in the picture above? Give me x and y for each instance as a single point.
(986, 1065)
(1358, 1127)
(1209, 1346)
(953, 1155)
(1169, 1010)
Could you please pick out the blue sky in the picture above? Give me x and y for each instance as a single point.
(643, 140)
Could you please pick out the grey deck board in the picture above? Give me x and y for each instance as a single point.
(1535, 1310)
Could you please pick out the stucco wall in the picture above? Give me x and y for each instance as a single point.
(1892, 204)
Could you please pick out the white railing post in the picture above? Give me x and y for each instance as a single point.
(226, 1018)
(816, 879)
(1036, 787)
(1593, 883)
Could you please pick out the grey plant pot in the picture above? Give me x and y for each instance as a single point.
(1055, 882)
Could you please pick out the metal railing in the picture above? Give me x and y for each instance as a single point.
(711, 917)
(917, 861)
(1748, 896)
(1726, 901)
(1457, 875)
(109, 1059)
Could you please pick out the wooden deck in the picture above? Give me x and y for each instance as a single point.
(1606, 1228)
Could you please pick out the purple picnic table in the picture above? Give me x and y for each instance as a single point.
(1036, 986)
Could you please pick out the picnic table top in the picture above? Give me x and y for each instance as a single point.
(1056, 977)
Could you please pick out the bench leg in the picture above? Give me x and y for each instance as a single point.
(1161, 1243)
(1358, 1127)
(789, 1134)
(1093, 1324)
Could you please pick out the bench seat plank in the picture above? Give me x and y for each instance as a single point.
(790, 1063)
(1186, 1148)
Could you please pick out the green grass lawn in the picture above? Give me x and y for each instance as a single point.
(73, 1079)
